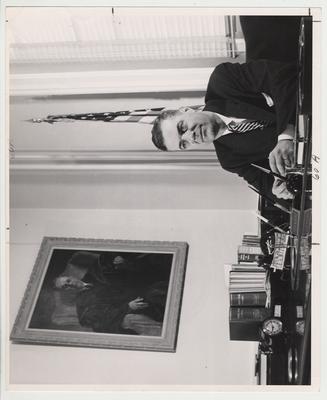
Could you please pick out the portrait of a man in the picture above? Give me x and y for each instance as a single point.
(104, 293)
(118, 293)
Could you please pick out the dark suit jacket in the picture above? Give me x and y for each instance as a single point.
(271, 37)
(235, 90)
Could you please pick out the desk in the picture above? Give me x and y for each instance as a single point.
(289, 355)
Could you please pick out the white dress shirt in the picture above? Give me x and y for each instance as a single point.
(288, 133)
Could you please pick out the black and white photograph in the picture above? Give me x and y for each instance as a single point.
(163, 169)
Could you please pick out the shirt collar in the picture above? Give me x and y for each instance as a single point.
(227, 120)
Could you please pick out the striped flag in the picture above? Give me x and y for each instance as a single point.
(144, 116)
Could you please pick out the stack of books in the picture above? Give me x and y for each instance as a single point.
(246, 284)
(249, 250)
(247, 290)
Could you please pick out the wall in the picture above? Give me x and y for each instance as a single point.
(208, 208)
(130, 188)
(87, 135)
(204, 355)
(136, 189)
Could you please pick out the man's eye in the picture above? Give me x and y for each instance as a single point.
(181, 128)
(184, 144)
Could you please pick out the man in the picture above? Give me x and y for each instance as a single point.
(256, 99)
(113, 308)
(85, 265)
(130, 298)
(100, 306)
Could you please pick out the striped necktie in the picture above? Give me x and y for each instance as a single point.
(246, 126)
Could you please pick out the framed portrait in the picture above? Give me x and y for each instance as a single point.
(117, 294)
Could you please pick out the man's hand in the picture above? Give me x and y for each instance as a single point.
(280, 191)
(138, 304)
(281, 157)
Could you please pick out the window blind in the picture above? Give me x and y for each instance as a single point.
(106, 35)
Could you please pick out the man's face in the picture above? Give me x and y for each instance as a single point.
(120, 264)
(69, 282)
(185, 129)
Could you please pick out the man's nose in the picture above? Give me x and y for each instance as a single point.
(189, 136)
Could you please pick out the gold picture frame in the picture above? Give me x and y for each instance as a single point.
(128, 294)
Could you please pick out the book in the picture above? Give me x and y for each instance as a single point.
(248, 274)
(251, 240)
(242, 270)
(245, 322)
(249, 249)
(247, 266)
(246, 284)
(247, 257)
(247, 289)
(246, 281)
(248, 299)
(248, 313)
(245, 331)
(253, 279)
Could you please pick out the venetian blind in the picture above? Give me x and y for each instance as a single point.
(57, 35)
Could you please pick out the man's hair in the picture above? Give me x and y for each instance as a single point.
(157, 136)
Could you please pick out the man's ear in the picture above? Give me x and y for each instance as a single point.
(185, 109)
